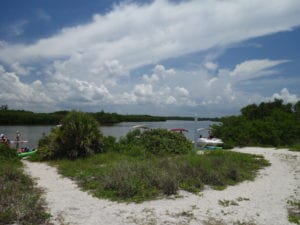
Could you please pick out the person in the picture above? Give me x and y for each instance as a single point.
(4, 139)
(18, 136)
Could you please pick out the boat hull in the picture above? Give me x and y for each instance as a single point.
(24, 154)
(202, 142)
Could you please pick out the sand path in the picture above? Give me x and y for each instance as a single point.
(262, 201)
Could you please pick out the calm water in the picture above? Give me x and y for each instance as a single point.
(34, 133)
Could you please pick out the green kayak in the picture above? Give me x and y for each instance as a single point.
(23, 154)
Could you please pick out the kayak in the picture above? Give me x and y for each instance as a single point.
(23, 154)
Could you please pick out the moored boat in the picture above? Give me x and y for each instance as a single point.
(210, 142)
(27, 153)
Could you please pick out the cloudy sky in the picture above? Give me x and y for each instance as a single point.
(159, 57)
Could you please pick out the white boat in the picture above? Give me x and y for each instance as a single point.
(140, 126)
(204, 142)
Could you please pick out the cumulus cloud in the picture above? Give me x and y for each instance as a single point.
(286, 96)
(17, 94)
(91, 64)
(211, 66)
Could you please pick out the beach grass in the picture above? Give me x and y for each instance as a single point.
(294, 211)
(295, 148)
(20, 200)
(123, 177)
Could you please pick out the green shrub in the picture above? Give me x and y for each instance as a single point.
(119, 176)
(162, 141)
(20, 201)
(295, 148)
(267, 124)
(7, 154)
(78, 136)
(109, 143)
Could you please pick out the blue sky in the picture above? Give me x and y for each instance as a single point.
(160, 57)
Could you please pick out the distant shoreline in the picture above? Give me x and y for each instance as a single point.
(21, 117)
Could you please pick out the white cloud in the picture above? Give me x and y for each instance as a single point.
(91, 64)
(19, 69)
(211, 66)
(285, 96)
(137, 35)
(151, 79)
(17, 94)
(255, 68)
(182, 91)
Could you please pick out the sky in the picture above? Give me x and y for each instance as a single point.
(203, 58)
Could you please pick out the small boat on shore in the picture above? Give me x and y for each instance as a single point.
(140, 126)
(179, 130)
(12, 142)
(210, 143)
(203, 142)
(23, 153)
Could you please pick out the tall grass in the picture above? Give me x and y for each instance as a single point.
(20, 201)
(123, 177)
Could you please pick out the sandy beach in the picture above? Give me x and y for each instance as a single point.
(261, 202)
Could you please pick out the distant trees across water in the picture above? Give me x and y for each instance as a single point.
(22, 117)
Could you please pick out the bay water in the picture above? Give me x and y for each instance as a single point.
(33, 133)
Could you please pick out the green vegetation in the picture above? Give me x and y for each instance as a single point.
(227, 203)
(141, 165)
(77, 136)
(267, 124)
(294, 211)
(20, 201)
(295, 148)
(127, 177)
(21, 117)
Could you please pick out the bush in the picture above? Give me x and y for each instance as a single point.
(20, 202)
(122, 177)
(7, 154)
(268, 124)
(78, 136)
(162, 141)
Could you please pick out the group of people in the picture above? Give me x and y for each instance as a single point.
(4, 139)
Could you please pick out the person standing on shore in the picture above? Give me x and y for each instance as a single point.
(4, 139)
(18, 135)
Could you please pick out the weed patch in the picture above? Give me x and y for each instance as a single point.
(294, 211)
(123, 177)
(20, 201)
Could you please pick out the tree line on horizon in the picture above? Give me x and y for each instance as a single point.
(22, 117)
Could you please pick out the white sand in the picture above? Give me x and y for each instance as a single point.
(262, 201)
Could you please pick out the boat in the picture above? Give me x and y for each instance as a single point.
(140, 126)
(180, 130)
(12, 142)
(26, 153)
(203, 142)
(209, 143)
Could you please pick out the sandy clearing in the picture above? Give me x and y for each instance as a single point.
(262, 201)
